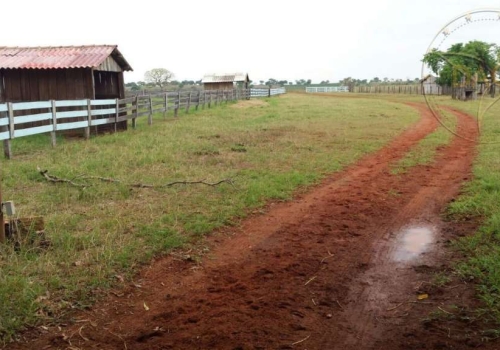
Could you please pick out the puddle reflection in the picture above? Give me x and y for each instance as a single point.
(413, 242)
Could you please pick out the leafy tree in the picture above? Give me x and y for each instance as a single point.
(158, 76)
(346, 81)
(133, 86)
(464, 61)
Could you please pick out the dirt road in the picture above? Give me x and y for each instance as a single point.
(338, 268)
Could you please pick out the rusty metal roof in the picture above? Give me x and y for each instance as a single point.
(225, 78)
(59, 57)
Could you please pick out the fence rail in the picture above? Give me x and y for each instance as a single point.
(314, 89)
(30, 118)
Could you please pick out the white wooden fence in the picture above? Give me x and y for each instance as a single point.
(29, 118)
(313, 89)
(267, 92)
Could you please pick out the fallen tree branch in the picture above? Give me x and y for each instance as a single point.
(55, 179)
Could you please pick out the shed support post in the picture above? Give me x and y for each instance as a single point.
(134, 120)
(54, 124)
(89, 119)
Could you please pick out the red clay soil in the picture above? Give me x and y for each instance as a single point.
(334, 269)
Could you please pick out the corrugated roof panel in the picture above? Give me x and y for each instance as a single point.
(59, 57)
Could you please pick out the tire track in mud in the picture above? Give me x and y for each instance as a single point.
(314, 273)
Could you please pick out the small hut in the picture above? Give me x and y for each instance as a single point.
(430, 86)
(62, 73)
(225, 81)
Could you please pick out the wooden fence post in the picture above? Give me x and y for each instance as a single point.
(188, 103)
(204, 94)
(2, 227)
(134, 120)
(198, 101)
(89, 119)
(150, 116)
(117, 114)
(166, 105)
(54, 123)
(177, 104)
(7, 148)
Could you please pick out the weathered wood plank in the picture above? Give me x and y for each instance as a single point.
(71, 114)
(21, 106)
(102, 102)
(33, 131)
(89, 118)
(75, 125)
(32, 118)
(4, 135)
(96, 122)
(103, 111)
(71, 103)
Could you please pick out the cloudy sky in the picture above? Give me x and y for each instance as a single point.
(314, 39)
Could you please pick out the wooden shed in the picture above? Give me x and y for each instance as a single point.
(225, 81)
(62, 73)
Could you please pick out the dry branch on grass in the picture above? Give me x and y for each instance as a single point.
(56, 179)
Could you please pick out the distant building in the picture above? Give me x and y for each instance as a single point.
(429, 85)
(225, 81)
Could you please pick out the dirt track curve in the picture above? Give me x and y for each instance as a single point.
(337, 268)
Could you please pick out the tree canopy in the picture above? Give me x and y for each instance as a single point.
(158, 76)
(465, 60)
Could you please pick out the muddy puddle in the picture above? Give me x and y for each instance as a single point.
(413, 241)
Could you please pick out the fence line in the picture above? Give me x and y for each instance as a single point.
(413, 89)
(17, 119)
(313, 89)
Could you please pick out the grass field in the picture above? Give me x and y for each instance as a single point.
(481, 199)
(99, 234)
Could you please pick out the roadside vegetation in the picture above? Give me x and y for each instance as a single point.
(481, 200)
(100, 234)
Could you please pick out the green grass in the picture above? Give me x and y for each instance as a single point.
(425, 151)
(481, 199)
(269, 148)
